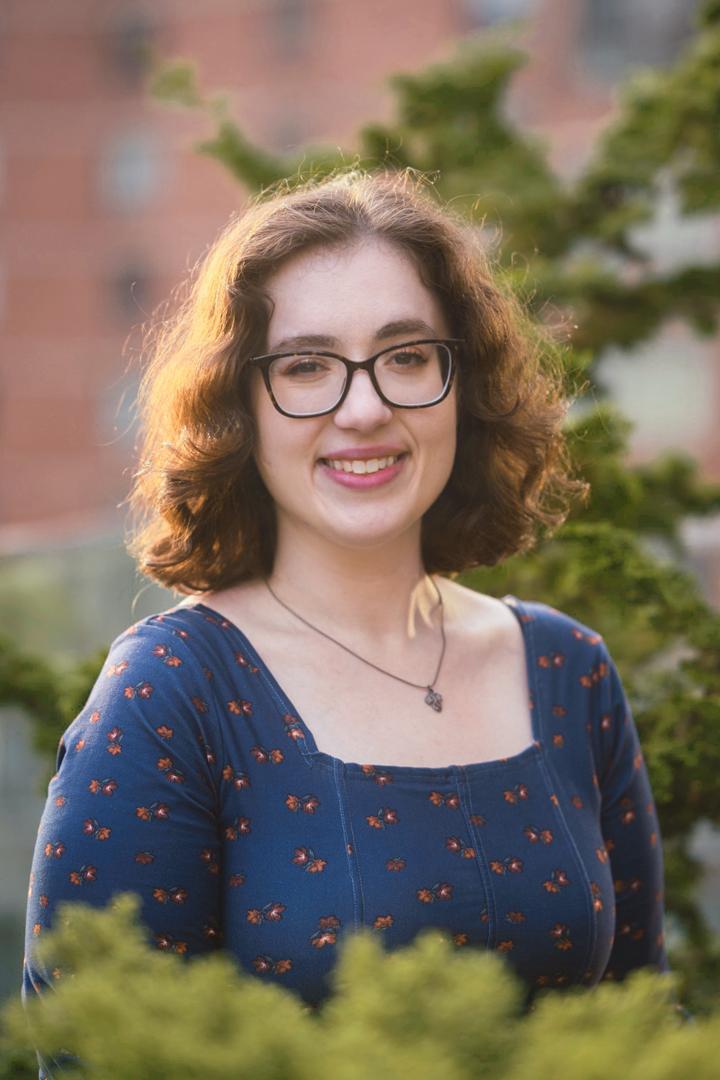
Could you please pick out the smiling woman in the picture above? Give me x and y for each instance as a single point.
(329, 731)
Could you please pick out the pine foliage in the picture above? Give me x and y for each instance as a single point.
(124, 1009)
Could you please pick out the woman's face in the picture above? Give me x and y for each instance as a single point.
(348, 297)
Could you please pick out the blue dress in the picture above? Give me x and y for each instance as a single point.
(191, 779)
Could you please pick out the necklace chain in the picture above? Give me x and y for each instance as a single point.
(432, 697)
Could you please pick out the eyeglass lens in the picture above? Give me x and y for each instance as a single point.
(415, 374)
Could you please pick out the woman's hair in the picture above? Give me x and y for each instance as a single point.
(204, 518)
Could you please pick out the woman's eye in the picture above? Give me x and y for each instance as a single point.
(308, 365)
(407, 358)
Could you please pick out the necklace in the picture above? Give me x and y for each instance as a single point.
(432, 697)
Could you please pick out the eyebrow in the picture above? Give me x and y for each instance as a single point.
(389, 330)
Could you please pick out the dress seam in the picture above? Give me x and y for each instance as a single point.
(481, 859)
(349, 841)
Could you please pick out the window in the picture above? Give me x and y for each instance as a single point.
(130, 171)
(129, 45)
(480, 13)
(617, 34)
(292, 27)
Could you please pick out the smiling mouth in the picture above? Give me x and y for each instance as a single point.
(362, 466)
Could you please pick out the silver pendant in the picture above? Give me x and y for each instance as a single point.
(433, 699)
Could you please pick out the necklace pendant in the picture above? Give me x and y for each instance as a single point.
(433, 699)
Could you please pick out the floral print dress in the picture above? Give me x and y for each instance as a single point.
(190, 779)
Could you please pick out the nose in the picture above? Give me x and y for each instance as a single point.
(362, 409)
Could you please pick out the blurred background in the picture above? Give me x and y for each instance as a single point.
(106, 204)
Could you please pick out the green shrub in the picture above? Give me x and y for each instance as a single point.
(428, 1010)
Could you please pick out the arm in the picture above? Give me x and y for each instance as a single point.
(133, 805)
(632, 837)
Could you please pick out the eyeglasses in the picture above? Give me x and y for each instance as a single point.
(413, 375)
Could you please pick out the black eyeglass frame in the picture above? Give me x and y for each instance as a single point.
(351, 366)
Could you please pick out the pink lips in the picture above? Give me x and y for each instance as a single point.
(363, 480)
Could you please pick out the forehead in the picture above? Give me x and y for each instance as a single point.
(348, 293)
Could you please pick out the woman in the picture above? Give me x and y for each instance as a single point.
(329, 731)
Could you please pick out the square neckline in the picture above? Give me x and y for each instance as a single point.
(315, 756)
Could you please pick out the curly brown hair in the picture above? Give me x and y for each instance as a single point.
(204, 518)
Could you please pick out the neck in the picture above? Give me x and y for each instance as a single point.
(383, 595)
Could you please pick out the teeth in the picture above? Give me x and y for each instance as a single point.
(362, 467)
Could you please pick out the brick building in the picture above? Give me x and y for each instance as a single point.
(106, 205)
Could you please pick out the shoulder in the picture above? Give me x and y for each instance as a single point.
(547, 625)
(554, 626)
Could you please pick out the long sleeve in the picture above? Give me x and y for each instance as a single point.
(133, 804)
(632, 838)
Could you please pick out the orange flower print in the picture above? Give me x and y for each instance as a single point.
(83, 875)
(292, 727)
(515, 917)
(239, 780)
(236, 879)
(306, 858)
(534, 835)
(239, 707)
(240, 826)
(555, 659)
(114, 737)
(454, 843)
(209, 857)
(307, 803)
(557, 880)
(505, 946)
(98, 832)
(165, 765)
(451, 800)
(165, 653)
(59, 800)
(321, 938)
(95, 717)
(117, 669)
(510, 865)
(159, 811)
(265, 965)
(516, 794)
(142, 690)
(478, 819)
(144, 858)
(54, 850)
(200, 705)
(385, 816)
(382, 922)
(327, 933)
(558, 741)
(272, 912)
(176, 895)
(561, 933)
(264, 756)
(169, 944)
(103, 787)
(241, 660)
(395, 864)
(596, 895)
(164, 731)
(628, 813)
(461, 938)
(559, 710)
(211, 931)
(440, 891)
(597, 672)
